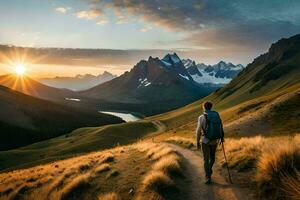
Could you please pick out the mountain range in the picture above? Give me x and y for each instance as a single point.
(263, 99)
(152, 86)
(79, 82)
(220, 73)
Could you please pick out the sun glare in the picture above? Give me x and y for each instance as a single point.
(20, 69)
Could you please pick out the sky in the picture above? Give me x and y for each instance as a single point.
(205, 30)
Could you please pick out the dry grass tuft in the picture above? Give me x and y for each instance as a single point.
(277, 165)
(157, 181)
(275, 159)
(84, 167)
(109, 196)
(184, 142)
(169, 164)
(113, 173)
(75, 187)
(163, 152)
(292, 186)
(154, 149)
(102, 168)
(107, 157)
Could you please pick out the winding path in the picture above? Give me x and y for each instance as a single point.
(218, 190)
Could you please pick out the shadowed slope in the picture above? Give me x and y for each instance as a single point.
(25, 119)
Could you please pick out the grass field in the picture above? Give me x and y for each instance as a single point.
(78, 142)
(140, 171)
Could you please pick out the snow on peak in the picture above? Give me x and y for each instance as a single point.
(171, 58)
(188, 63)
(144, 82)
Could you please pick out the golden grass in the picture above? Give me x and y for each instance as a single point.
(107, 157)
(102, 168)
(292, 186)
(72, 178)
(109, 196)
(169, 164)
(188, 143)
(113, 173)
(76, 187)
(157, 181)
(276, 166)
(162, 153)
(276, 161)
(61, 179)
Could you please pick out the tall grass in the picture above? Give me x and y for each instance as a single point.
(109, 196)
(76, 187)
(158, 183)
(276, 161)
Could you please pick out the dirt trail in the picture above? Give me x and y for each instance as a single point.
(219, 189)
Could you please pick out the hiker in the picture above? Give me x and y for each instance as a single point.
(210, 132)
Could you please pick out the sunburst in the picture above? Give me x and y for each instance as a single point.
(20, 69)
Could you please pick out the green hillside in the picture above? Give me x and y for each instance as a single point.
(78, 142)
(25, 119)
(267, 86)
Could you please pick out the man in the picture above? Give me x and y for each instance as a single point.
(210, 132)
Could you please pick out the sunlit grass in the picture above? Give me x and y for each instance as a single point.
(275, 160)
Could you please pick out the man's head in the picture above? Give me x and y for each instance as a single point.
(207, 105)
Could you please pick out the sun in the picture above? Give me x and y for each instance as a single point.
(20, 69)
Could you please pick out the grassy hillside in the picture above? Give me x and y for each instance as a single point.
(256, 97)
(141, 171)
(25, 119)
(34, 88)
(78, 142)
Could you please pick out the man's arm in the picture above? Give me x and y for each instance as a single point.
(198, 133)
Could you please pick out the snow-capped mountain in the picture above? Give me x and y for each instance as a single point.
(220, 73)
(154, 85)
(79, 82)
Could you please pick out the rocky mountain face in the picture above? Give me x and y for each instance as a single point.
(79, 82)
(220, 73)
(155, 84)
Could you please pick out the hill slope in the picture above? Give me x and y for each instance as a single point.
(31, 87)
(25, 119)
(257, 96)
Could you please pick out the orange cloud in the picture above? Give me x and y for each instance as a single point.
(89, 14)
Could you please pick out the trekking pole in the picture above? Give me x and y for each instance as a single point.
(230, 180)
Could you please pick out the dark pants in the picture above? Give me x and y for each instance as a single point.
(209, 155)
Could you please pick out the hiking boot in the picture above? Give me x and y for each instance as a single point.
(207, 180)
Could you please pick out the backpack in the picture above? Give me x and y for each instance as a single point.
(213, 129)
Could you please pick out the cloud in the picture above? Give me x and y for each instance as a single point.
(254, 34)
(102, 21)
(144, 30)
(62, 9)
(89, 14)
(216, 23)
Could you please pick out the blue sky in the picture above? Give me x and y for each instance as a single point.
(54, 23)
(205, 30)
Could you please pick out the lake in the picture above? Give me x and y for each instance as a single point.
(125, 116)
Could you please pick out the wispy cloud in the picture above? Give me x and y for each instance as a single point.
(144, 30)
(103, 21)
(89, 14)
(62, 9)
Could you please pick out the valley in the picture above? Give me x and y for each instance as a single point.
(155, 157)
